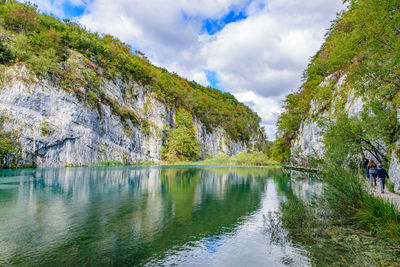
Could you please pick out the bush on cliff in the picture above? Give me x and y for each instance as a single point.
(181, 143)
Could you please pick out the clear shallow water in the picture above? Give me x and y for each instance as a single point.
(195, 216)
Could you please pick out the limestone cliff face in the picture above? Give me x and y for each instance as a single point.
(57, 128)
(309, 141)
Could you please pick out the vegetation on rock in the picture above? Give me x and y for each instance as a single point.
(48, 46)
(362, 45)
(181, 142)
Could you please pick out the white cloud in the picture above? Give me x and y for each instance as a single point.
(258, 59)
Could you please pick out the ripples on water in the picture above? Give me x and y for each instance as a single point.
(143, 216)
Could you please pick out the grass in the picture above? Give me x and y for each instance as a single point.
(348, 202)
(241, 159)
(331, 240)
(381, 217)
(390, 186)
(146, 163)
(108, 163)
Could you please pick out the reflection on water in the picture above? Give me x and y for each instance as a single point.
(141, 216)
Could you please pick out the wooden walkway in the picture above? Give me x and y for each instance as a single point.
(300, 168)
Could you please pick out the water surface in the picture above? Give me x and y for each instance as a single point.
(185, 216)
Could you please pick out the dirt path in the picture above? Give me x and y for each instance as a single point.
(386, 195)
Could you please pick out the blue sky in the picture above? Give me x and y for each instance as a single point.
(214, 25)
(70, 11)
(256, 50)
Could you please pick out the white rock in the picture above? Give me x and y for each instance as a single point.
(81, 135)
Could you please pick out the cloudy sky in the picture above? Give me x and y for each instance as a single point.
(254, 49)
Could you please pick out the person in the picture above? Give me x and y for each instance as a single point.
(381, 173)
(372, 171)
(364, 166)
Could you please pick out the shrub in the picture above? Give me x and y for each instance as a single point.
(46, 129)
(381, 216)
(92, 99)
(9, 148)
(390, 186)
(107, 163)
(181, 143)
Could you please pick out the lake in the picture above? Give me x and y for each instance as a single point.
(146, 216)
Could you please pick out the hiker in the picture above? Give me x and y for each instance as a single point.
(372, 171)
(381, 173)
(364, 167)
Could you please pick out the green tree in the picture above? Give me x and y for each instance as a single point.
(7, 147)
(181, 142)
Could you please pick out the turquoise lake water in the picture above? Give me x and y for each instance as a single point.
(144, 216)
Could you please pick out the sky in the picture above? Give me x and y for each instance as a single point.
(256, 50)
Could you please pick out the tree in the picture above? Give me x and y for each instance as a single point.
(181, 142)
(7, 147)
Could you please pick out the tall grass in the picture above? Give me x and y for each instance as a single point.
(107, 163)
(348, 202)
(343, 193)
(335, 230)
(381, 216)
(241, 159)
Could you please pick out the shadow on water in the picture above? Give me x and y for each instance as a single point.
(122, 216)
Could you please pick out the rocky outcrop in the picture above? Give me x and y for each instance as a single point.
(394, 169)
(56, 127)
(216, 142)
(309, 141)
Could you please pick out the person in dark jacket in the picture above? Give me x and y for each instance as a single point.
(381, 173)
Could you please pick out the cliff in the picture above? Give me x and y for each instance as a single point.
(55, 128)
(72, 97)
(348, 106)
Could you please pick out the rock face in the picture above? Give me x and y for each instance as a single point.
(56, 128)
(309, 141)
(394, 169)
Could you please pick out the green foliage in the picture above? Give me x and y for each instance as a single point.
(107, 163)
(241, 159)
(390, 186)
(46, 43)
(362, 43)
(92, 99)
(347, 201)
(8, 147)
(145, 127)
(357, 135)
(280, 150)
(331, 240)
(251, 159)
(381, 216)
(45, 128)
(6, 55)
(181, 142)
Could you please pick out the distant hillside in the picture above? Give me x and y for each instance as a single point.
(102, 72)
